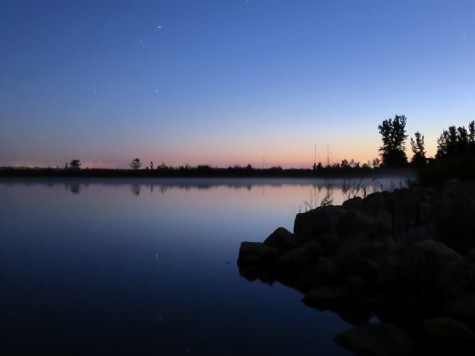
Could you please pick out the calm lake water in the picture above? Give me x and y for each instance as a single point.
(148, 267)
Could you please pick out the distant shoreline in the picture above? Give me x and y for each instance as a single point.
(206, 172)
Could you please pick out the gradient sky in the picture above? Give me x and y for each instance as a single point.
(225, 82)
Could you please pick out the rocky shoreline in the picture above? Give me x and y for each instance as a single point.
(405, 258)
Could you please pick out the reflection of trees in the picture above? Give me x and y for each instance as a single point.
(135, 189)
(74, 188)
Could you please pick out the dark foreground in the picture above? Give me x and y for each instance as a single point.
(405, 259)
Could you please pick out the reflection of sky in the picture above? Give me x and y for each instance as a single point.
(154, 272)
(227, 82)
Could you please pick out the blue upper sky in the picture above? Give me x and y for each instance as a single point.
(227, 82)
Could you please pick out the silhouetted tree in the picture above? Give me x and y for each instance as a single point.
(354, 164)
(455, 157)
(471, 132)
(456, 142)
(376, 162)
(135, 164)
(393, 134)
(418, 149)
(75, 164)
(345, 164)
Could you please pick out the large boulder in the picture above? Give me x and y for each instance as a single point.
(375, 340)
(422, 261)
(354, 222)
(362, 250)
(355, 203)
(461, 309)
(254, 257)
(453, 280)
(449, 334)
(324, 297)
(318, 221)
(281, 239)
(296, 259)
(324, 271)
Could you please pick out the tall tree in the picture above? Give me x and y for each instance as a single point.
(418, 149)
(471, 137)
(394, 136)
(75, 164)
(135, 164)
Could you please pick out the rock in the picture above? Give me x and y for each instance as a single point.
(354, 222)
(452, 280)
(298, 258)
(375, 340)
(422, 260)
(448, 333)
(470, 256)
(362, 251)
(367, 269)
(253, 257)
(324, 297)
(354, 285)
(318, 221)
(324, 271)
(355, 203)
(281, 239)
(396, 256)
(401, 307)
(462, 309)
(415, 234)
(329, 242)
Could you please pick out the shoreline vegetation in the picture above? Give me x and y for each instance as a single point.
(435, 172)
(204, 171)
(455, 159)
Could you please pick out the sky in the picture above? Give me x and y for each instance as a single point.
(228, 82)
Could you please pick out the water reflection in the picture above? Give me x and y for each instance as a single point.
(153, 269)
(135, 189)
(330, 192)
(101, 269)
(74, 188)
(323, 191)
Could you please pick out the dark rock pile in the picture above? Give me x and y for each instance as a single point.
(405, 257)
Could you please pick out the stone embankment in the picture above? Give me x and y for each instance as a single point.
(405, 259)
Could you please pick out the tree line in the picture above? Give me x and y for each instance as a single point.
(455, 157)
(453, 143)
